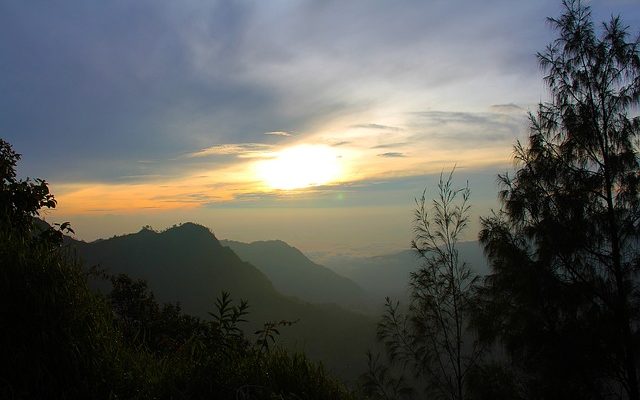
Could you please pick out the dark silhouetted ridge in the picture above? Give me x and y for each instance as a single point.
(185, 263)
(294, 274)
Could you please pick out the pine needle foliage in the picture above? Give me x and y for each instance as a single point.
(563, 294)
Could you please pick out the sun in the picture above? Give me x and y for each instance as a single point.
(300, 167)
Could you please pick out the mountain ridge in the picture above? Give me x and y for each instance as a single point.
(293, 273)
(187, 264)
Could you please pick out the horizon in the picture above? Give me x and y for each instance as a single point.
(314, 123)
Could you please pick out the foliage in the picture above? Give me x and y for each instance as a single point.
(145, 323)
(20, 200)
(432, 338)
(227, 316)
(492, 380)
(218, 361)
(268, 333)
(58, 339)
(57, 336)
(381, 383)
(563, 294)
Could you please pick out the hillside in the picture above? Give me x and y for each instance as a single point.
(292, 273)
(187, 264)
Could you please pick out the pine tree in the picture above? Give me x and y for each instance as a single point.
(563, 295)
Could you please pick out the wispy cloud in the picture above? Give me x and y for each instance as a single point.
(376, 127)
(389, 145)
(278, 133)
(242, 150)
(468, 129)
(392, 154)
(506, 108)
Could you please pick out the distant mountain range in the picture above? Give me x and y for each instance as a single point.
(187, 264)
(292, 273)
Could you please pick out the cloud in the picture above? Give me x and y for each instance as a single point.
(341, 143)
(389, 145)
(278, 133)
(392, 155)
(242, 150)
(467, 129)
(376, 127)
(506, 108)
(157, 79)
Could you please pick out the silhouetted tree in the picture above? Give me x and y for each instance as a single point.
(563, 293)
(57, 340)
(20, 199)
(432, 337)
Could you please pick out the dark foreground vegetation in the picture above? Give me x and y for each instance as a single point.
(557, 317)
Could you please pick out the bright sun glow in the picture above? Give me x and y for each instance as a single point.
(300, 167)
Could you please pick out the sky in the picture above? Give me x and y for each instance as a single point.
(314, 122)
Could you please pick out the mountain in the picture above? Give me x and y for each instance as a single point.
(388, 275)
(187, 264)
(292, 273)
